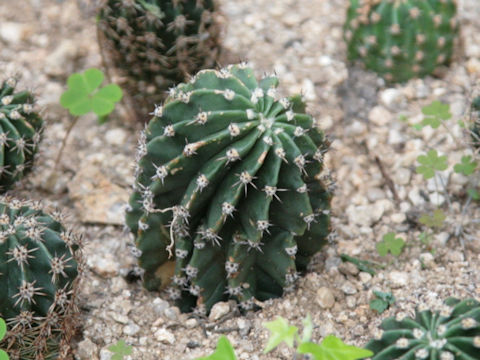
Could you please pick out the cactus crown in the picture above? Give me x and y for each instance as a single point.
(38, 271)
(20, 132)
(157, 43)
(452, 332)
(230, 177)
(401, 39)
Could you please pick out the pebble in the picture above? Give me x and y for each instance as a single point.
(455, 256)
(14, 33)
(437, 199)
(165, 336)
(348, 268)
(106, 266)
(65, 53)
(120, 318)
(402, 176)
(398, 279)
(348, 288)
(415, 197)
(325, 298)
(116, 136)
(191, 323)
(219, 310)
(380, 116)
(427, 260)
(160, 305)
(87, 350)
(131, 329)
(392, 98)
(374, 194)
(351, 301)
(364, 277)
(172, 313)
(244, 325)
(398, 218)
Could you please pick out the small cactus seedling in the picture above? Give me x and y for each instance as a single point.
(38, 276)
(20, 132)
(401, 39)
(229, 176)
(475, 122)
(158, 43)
(450, 333)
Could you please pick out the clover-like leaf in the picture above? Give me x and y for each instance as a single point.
(431, 163)
(433, 221)
(390, 244)
(438, 110)
(280, 332)
(120, 349)
(83, 94)
(3, 331)
(224, 351)
(332, 348)
(474, 194)
(466, 167)
(382, 302)
(307, 328)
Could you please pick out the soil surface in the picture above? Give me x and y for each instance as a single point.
(373, 159)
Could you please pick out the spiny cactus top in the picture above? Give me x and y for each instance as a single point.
(230, 176)
(20, 130)
(157, 43)
(401, 39)
(38, 271)
(450, 333)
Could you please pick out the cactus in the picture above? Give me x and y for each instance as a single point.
(230, 176)
(452, 332)
(39, 267)
(20, 133)
(401, 39)
(475, 122)
(157, 43)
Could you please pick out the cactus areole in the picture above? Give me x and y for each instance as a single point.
(451, 332)
(229, 179)
(401, 39)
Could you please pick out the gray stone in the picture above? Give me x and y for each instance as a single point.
(348, 288)
(325, 298)
(398, 279)
(131, 329)
(87, 350)
(164, 336)
(219, 310)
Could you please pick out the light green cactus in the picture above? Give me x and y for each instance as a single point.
(401, 39)
(38, 277)
(20, 132)
(229, 176)
(158, 43)
(450, 333)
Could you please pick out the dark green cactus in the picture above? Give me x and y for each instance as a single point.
(450, 333)
(230, 177)
(401, 39)
(158, 43)
(475, 122)
(20, 132)
(38, 276)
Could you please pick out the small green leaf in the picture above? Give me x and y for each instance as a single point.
(307, 328)
(3, 328)
(433, 221)
(403, 118)
(332, 348)
(474, 194)
(390, 244)
(280, 332)
(466, 167)
(437, 109)
(431, 163)
(83, 95)
(224, 351)
(120, 349)
(425, 238)
(382, 302)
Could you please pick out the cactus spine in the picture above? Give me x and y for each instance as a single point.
(38, 277)
(229, 177)
(157, 43)
(20, 132)
(401, 39)
(452, 332)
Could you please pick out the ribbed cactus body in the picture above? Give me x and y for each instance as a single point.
(20, 130)
(38, 271)
(157, 43)
(229, 177)
(450, 333)
(401, 39)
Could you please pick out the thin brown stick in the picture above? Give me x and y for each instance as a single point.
(387, 178)
(64, 142)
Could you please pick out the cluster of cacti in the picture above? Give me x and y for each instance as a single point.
(450, 333)
(20, 132)
(39, 266)
(401, 39)
(229, 177)
(475, 122)
(158, 43)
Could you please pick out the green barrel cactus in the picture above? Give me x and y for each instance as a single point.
(229, 177)
(20, 133)
(401, 39)
(39, 267)
(156, 44)
(450, 333)
(475, 122)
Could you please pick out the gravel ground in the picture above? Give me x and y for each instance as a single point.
(372, 157)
